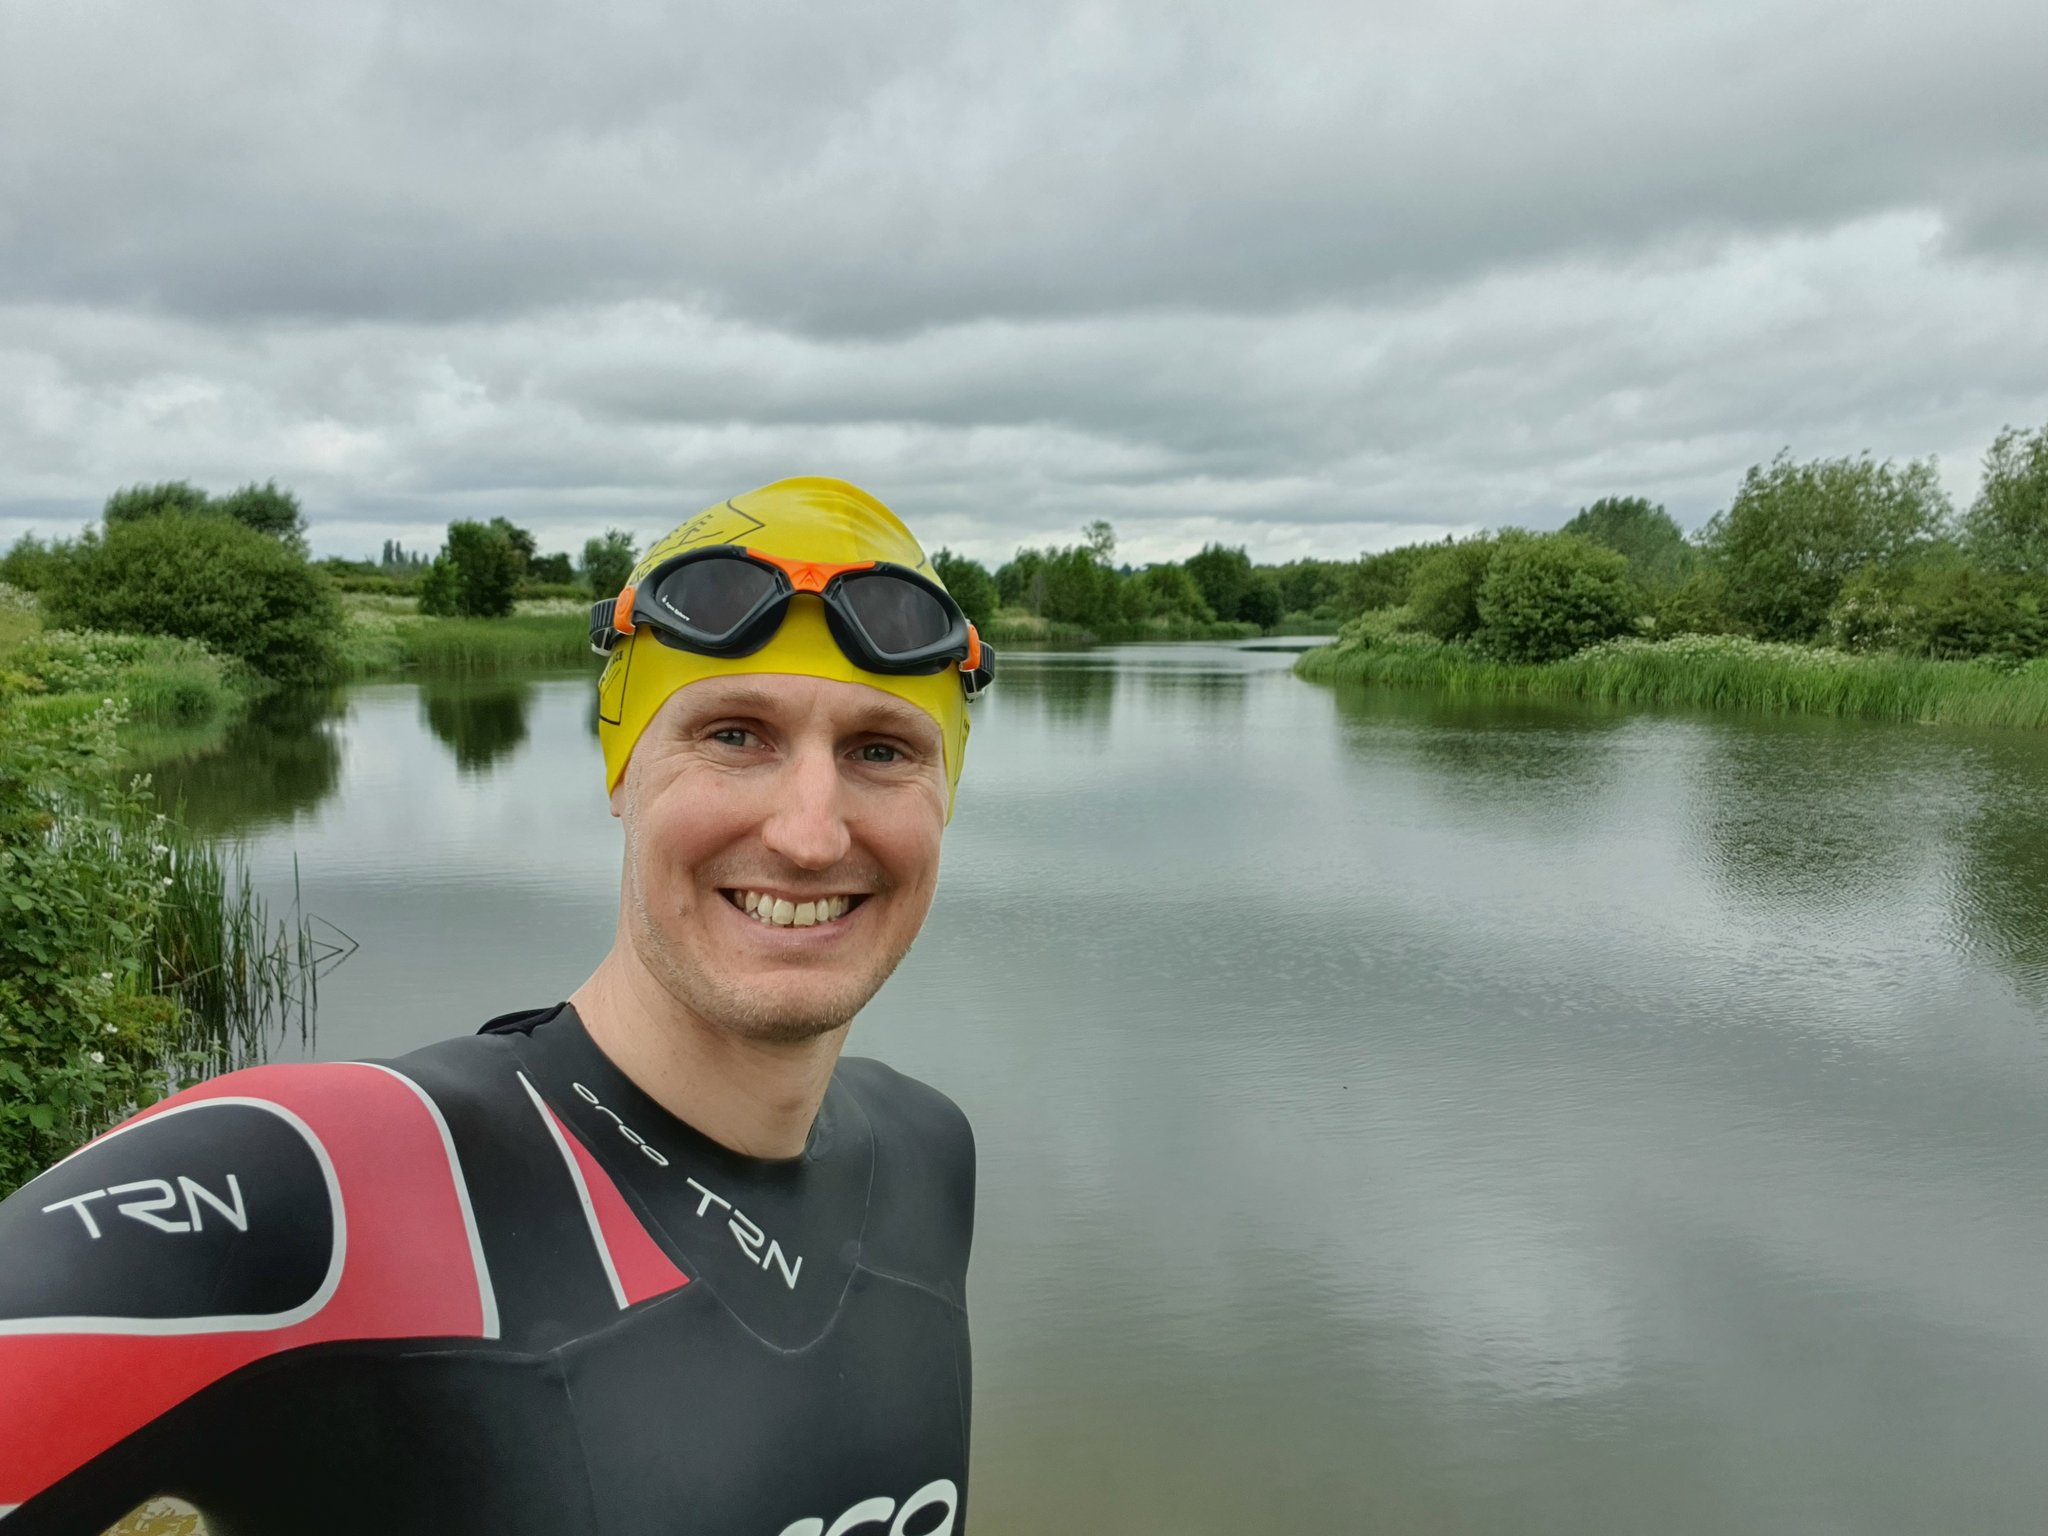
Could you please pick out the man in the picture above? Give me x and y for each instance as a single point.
(653, 1260)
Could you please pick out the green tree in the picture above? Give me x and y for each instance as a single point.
(1546, 597)
(135, 502)
(33, 565)
(2006, 528)
(1381, 580)
(973, 588)
(485, 567)
(1100, 540)
(522, 543)
(437, 589)
(1167, 591)
(1020, 581)
(268, 508)
(1224, 575)
(608, 561)
(1260, 602)
(205, 578)
(1797, 531)
(556, 569)
(1643, 532)
(1443, 588)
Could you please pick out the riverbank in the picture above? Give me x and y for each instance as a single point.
(134, 956)
(387, 636)
(1013, 627)
(1705, 672)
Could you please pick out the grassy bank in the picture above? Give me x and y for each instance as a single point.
(1013, 627)
(162, 683)
(386, 637)
(1706, 672)
(133, 958)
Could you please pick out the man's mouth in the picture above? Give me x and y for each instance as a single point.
(781, 912)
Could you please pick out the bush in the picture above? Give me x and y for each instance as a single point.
(1796, 532)
(267, 508)
(207, 578)
(1443, 591)
(133, 503)
(1696, 606)
(973, 588)
(1543, 599)
(33, 565)
(1947, 610)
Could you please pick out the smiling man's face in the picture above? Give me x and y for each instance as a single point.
(782, 848)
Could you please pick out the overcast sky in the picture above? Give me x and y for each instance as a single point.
(1311, 277)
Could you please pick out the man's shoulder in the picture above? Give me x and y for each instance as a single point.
(921, 1219)
(898, 1104)
(254, 1215)
(230, 1205)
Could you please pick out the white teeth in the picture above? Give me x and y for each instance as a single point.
(792, 914)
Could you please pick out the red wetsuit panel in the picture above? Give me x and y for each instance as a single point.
(632, 1257)
(405, 1264)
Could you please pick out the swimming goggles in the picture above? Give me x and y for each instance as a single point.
(727, 600)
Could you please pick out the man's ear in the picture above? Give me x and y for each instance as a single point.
(618, 794)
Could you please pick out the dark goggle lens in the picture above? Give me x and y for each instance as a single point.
(900, 617)
(714, 597)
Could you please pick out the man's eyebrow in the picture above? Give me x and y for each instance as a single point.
(883, 712)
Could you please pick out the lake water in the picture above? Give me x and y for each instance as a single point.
(1395, 1114)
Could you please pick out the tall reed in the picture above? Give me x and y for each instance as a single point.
(1708, 672)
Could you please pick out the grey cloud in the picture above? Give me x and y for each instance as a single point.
(1306, 276)
(878, 172)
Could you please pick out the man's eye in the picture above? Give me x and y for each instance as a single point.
(879, 752)
(731, 736)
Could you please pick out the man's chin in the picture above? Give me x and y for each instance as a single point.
(778, 1009)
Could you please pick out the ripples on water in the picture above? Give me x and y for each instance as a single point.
(1395, 1114)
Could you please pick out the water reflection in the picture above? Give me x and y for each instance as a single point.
(277, 763)
(483, 721)
(2001, 868)
(1064, 690)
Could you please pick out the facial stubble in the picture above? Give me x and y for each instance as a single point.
(733, 1009)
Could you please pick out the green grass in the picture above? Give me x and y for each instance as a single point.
(1015, 627)
(1707, 672)
(135, 956)
(386, 636)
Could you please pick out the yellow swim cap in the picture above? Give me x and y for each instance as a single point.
(812, 518)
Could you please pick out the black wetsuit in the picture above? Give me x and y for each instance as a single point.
(492, 1287)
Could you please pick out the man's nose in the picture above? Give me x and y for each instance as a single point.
(807, 825)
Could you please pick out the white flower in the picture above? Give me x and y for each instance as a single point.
(167, 882)
(99, 1058)
(109, 1030)
(106, 975)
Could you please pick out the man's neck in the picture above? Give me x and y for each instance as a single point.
(756, 1097)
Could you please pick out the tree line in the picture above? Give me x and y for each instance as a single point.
(1860, 554)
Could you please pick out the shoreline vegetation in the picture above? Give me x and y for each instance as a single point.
(135, 956)
(1718, 672)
